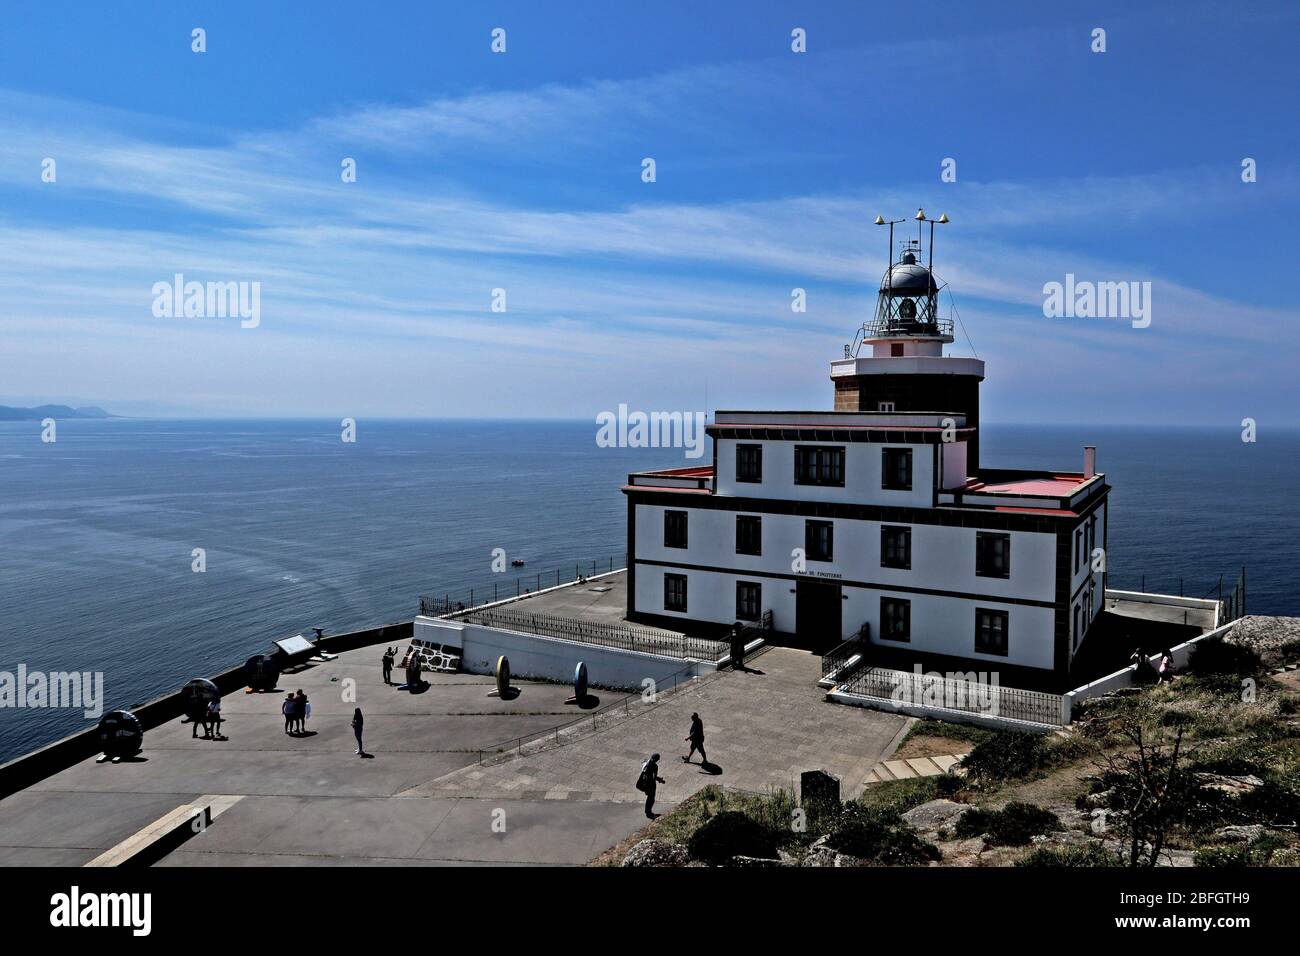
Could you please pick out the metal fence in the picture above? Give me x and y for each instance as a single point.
(837, 657)
(627, 637)
(938, 693)
(440, 605)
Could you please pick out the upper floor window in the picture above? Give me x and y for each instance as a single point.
(674, 529)
(674, 592)
(895, 349)
(819, 540)
(749, 600)
(818, 465)
(896, 547)
(990, 631)
(1078, 541)
(895, 619)
(884, 406)
(749, 534)
(896, 469)
(749, 463)
(992, 554)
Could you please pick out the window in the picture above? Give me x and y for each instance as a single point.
(675, 592)
(818, 465)
(749, 600)
(1078, 539)
(990, 632)
(895, 619)
(895, 547)
(1077, 633)
(749, 463)
(819, 540)
(992, 555)
(884, 406)
(896, 469)
(749, 534)
(895, 349)
(674, 529)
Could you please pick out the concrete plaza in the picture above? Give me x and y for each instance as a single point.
(424, 798)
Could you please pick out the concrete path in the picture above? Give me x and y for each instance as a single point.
(763, 727)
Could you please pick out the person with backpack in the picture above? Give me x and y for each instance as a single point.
(388, 666)
(696, 740)
(648, 783)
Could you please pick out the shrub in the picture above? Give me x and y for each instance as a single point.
(1093, 854)
(1223, 856)
(731, 833)
(878, 835)
(1220, 665)
(1014, 825)
(1006, 755)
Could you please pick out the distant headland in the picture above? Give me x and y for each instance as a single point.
(10, 413)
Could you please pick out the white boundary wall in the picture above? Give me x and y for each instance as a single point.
(1182, 653)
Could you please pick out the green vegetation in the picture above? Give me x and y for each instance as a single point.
(731, 833)
(1014, 825)
(1091, 855)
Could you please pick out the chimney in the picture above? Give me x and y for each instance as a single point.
(1089, 461)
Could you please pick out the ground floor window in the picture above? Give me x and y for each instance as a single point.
(895, 619)
(749, 600)
(674, 592)
(990, 631)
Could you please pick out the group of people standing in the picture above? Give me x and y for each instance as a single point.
(648, 780)
(296, 709)
(210, 721)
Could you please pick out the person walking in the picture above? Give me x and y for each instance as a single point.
(388, 666)
(357, 723)
(696, 739)
(286, 708)
(648, 783)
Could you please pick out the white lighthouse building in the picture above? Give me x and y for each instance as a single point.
(876, 518)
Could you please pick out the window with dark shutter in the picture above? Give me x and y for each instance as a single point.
(674, 529)
(896, 547)
(992, 555)
(990, 632)
(749, 534)
(895, 619)
(896, 469)
(819, 540)
(675, 592)
(749, 463)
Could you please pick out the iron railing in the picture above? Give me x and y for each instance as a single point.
(504, 588)
(934, 692)
(834, 660)
(626, 637)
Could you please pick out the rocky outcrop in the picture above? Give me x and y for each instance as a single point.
(656, 853)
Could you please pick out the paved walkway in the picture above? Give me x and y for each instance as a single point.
(762, 727)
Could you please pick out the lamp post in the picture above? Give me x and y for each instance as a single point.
(943, 221)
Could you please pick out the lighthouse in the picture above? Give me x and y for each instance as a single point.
(896, 362)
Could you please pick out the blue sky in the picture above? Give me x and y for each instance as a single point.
(522, 171)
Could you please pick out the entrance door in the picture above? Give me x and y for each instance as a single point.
(817, 614)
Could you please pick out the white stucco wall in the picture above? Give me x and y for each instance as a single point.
(943, 558)
(862, 469)
(939, 624)
(547, 658)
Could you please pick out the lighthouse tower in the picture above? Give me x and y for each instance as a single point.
(896, 362)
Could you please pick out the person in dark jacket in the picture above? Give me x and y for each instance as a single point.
(357, 722)
(286, 708)
(696, 739)
(388, 666)
(648, 783)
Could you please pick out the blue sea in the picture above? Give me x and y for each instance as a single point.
(302, 530)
